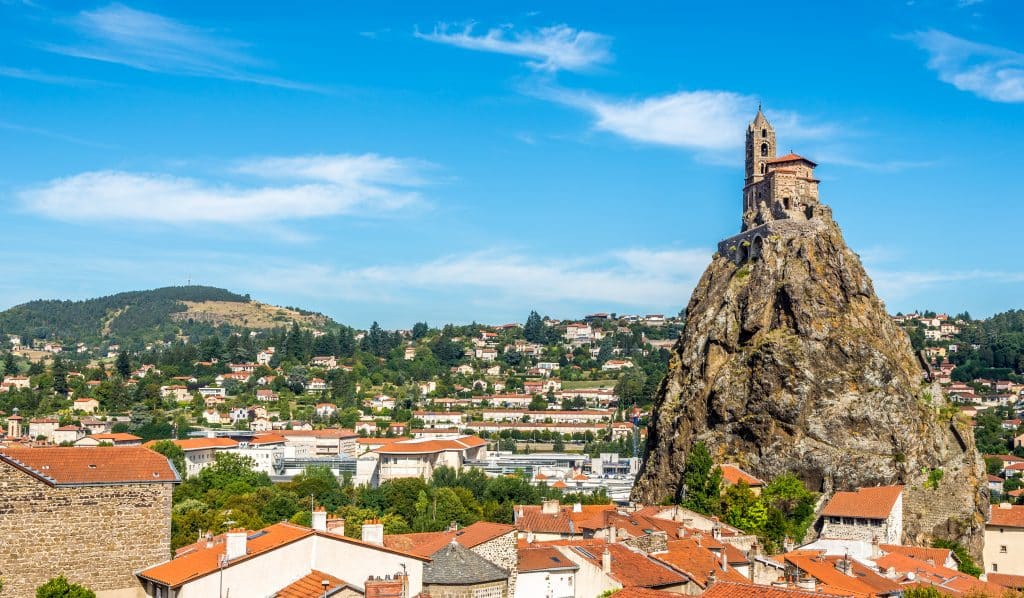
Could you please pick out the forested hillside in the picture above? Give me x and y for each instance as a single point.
(125, 316)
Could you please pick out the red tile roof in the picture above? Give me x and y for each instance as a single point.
(116, 437)
(590, 517)
(312, 586)
(692, 557)
(427, 543)
(195, 444)
(913, 571)
(729, 589)
(91, 466)
(1007, 581)
(863, 582)
(733, 475)
(921, 553)
(790, 157)
(634, 568)
(437, 445)
(1006, 515)
(543, 558)
(865, 503)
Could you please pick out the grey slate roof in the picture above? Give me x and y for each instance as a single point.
(456, 565)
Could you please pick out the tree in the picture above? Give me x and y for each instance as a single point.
(10, 366)
(173, 452)
(123, 365)
(60, 377)
(534, 330)
(702, 481)
(419, 330)
(60, 587)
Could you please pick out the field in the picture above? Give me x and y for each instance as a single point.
(251, 315)
(574, 384)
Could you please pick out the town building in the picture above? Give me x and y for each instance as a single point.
(868, 514)
(417, 458)
(95, 515)
(1004, 539)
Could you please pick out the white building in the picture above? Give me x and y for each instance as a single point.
(1004, 540)
(418, 457)
(869, 514)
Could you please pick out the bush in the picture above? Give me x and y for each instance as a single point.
(60, 587)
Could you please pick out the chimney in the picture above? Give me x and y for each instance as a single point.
(549, 507)
(389, 586)
(234, 543)
(453, 526)
(712, 578)
(807, 583)
(724, 559)
(613, 535)
(681, 532)
(319, 519)
(577, 507)
(529, 536)
(336, 525)
(845, 565)
(209, 539)
(716, 531)
(787, 544)
(606, 561)
(373, 532)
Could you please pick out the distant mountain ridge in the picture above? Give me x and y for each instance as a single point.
(146, 315)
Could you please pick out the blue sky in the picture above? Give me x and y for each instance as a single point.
(399, 162)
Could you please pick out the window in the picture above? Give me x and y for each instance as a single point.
(995, 567)
(764, 149)
(764, 132)
(763, 167)
(1002, 549)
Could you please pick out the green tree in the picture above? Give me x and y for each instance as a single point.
(60, 587)
(702, 481)
(534, 330)
(319, 482)
(123, 365)
(10, 366)
(60, 377)
(743, 509)
(173, 452)
(967, 564)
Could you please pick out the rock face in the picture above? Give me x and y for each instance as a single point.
(790, 363)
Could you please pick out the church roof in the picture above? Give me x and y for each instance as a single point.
(456, 565)
(791, 157)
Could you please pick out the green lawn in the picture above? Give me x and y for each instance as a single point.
(574, 384)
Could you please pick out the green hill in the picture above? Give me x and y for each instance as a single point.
(143, 316)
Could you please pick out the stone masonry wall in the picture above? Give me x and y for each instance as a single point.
(502, 551)
(95, 535)
(499, 588)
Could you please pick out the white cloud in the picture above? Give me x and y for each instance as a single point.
(323, 186)
(152, 42)
(637, 277)
(41, 77)
(550, 49)
(697, 120)
(897, 285)
(989, 72)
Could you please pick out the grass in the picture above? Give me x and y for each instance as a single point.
(575, 384)
(252, 314)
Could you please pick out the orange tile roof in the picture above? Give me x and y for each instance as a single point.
(865, 503)
(643, 593)
(729, 589)
(91, 466)
(921, 553)
(427, 543)
(590, 517)
(864, 581)
(633, 568)
(934, 574)
(733, 475)
(543, 558)
(269, 438)
(692, 557)
(116, 437)
(195, 444)
(1006, 580)
(436, 445)
(790, 157)
(196, 560)
(1007, 516)
(312, 586)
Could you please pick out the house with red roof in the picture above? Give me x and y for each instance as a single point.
(868, 514)
(287, 560)
(95, 515)
(418, 457)
(1004, 539)
(732, 475)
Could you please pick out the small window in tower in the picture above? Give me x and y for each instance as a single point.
(764, 149)
(764, 132)
(763, 167)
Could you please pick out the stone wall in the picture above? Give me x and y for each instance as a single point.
(502, 552)
(495, 589)
(648, 543)
(95, 535)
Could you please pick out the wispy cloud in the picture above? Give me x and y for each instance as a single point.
(896, 285)
(151, 42)
(639, 277)
(549, 49)
(988, 72)
(51, 134)
(311, 186)
(41, 77)
(698, 120)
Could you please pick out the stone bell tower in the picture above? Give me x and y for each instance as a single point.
(760, 147)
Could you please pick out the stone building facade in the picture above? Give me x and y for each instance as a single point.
(95, 515)
(776, 190)
(868, 515)
(502, 551)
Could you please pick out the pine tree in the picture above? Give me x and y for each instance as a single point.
(123, 365)
(534, 329)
